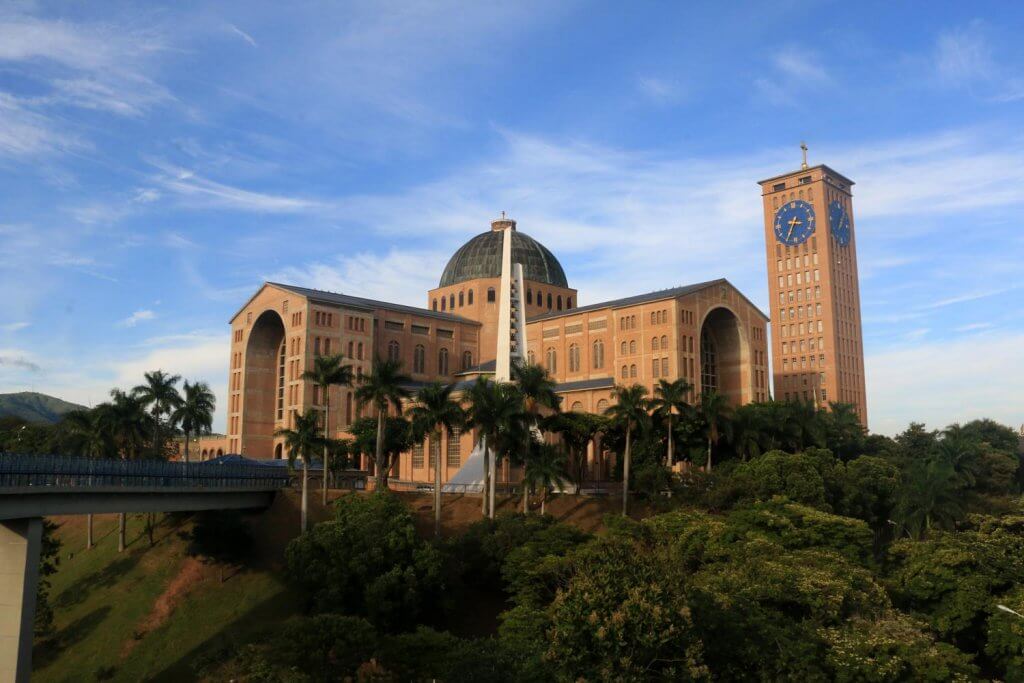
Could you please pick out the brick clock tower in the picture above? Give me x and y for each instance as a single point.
(817, 348)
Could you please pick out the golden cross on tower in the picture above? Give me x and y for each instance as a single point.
(803, 148)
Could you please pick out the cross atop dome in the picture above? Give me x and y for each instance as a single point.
(503, 223)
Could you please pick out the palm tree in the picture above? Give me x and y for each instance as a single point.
(160, 395)
(669, 400)
(545, 469)
(961, 451)
(90, 437)
(538, 390)
(328, 371)
(748, 431)
(435, 410)
(806, 425)
(131, 427)
(576, 431)
(195, 413)
(628, 412)
(715, 410)
(383, 387)
(496, 410)
(301, 441)
(931, 497)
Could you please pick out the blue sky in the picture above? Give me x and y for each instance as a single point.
(158, 163)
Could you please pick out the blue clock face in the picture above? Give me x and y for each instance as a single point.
(839, 223)
(794, 222)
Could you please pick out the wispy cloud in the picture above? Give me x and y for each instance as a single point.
(137, 317)
(14, 327)
(800, 65)
(973, 327)
(964, 58)
(196, 190)
(964, 298)
(14, 360)
(659, 90)
(242, 34)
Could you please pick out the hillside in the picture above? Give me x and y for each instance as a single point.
(154, 613)
(35, 407)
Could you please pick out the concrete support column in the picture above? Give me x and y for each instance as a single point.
(20, 542)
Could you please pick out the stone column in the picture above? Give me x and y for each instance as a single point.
(20, 542)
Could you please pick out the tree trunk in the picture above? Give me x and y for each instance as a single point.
(625, 473)
(526, 494)
(709, 454)
(543, 501)
(327, 435)
(382, 474)
(494, 481)
(437, 485)
(88, 532)
(120, 532)
(305, 491)
(186, 445)
(670, 444)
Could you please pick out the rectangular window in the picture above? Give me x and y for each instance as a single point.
(417, 456)
(454, 448)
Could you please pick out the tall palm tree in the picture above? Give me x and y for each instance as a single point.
(435, 410)
(89, 436)
(715, 410)
(961, 451)
(383, 387)
(160, 395)
(748, 431)
(670, 400)
(328, 371)
(931, 497)
(131, 427)
(806, 425)
(496, 410)
(195, 413)
(301, 441)
(545, 469)
(538, 390)
(630, 413)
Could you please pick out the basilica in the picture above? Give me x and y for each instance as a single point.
(708, 333)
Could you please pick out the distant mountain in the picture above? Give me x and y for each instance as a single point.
(35, 407)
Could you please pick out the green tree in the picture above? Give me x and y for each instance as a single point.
(195, 412)
(496, 411)
(328, 371)
(435, 409)
(870, 491)
(89, 435)
(842, 431)
(160, 395)
(670, 400)
(382, 388)
(49, 559)
(714, 409)
(748, 431)
(131, 428)
(538, 390)
(577, 430)
(931, 497)
(545, 469)
(629, 412)
(397, 438)
(301, 441)
(325, 647)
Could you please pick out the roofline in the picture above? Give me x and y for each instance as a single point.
(806, 170)
(697, 287)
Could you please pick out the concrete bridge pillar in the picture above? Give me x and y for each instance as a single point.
(20, 541)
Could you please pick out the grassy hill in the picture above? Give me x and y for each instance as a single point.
(157, 614)
(35, 407)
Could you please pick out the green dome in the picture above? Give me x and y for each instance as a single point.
(480, 257)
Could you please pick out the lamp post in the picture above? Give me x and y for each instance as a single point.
(1007, 609)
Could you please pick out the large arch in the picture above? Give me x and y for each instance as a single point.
(723, 354)
(264, 385)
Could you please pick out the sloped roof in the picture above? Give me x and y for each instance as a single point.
(368, 304)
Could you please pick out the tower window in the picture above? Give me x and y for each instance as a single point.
(462, 301)
(778, 187)
(442, 362)
(529, 296)
(806, 179)
(490, 295)
(470, 297)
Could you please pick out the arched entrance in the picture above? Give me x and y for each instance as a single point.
(264, 385)
(723, 350)
(278, 450)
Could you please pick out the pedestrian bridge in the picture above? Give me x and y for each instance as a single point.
(33, 487)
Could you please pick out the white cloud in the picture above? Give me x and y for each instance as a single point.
(800, 65)
(242, 34)
(137, 317)
(973, 327)
(964, 58)
(659, 90)
(25, 133)
(195, 190)
(946, 381)
(14, 327)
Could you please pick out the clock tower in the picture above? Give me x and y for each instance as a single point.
(817, 348)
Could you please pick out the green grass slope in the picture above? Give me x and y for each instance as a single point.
(35, 407)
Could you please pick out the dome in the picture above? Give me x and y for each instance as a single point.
(480, 257)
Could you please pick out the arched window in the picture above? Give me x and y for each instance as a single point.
(393, 351)
(602, 406)
(462, 301)
(625, 372)
(359, 351)
(654, 317)
(490, 295)
(664, 342)
(351, 349)
(444, 303)
(451, 301)
(632, 322)
(470, 297)
(574, 358)
(598, 354)
(632, 370)
(419, 362)
(467, 360)
(442, 362)
(577, 407)
(348, 408)
(552, 360)
(529, 296)
(530, 358)
(622, 349)
(654, 344)
(632, 346)
(568, 302)
(559, 302)
(435, 304)
(549, 301)
(708, 363)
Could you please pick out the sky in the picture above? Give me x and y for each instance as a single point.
(158, 163)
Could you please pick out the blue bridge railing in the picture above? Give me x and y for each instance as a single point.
(73, 472)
